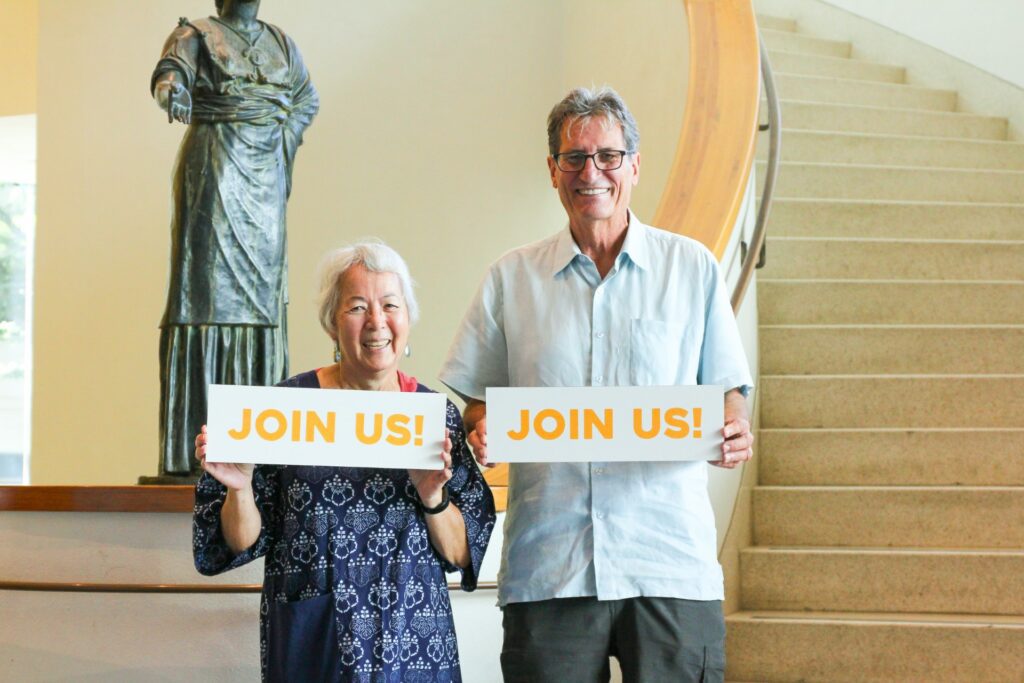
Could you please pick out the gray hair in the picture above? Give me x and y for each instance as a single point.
(373, 255)
(581, 104)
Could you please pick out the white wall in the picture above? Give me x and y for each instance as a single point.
(985, 33)
(431, 135)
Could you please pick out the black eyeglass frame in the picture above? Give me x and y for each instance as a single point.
(593, 157)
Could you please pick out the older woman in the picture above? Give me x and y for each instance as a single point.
(354, 586)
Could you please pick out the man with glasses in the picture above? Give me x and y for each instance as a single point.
(605, 558)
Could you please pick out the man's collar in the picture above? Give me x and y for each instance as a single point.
(565, 251)
(634, 246)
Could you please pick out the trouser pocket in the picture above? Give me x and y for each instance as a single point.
(302, 641)
(714, 664)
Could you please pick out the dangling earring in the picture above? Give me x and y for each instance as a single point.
(337, 353)
(408, 351)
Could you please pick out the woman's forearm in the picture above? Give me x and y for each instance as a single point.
(240, 519)
(447, 532)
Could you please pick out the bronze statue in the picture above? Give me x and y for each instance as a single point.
(242, 89)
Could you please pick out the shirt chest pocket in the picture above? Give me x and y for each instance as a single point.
(660, 353)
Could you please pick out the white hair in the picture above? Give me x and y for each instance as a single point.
(371, 254)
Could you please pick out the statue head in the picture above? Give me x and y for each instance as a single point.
(226, 5)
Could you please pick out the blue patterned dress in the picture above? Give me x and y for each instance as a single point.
(353, 589)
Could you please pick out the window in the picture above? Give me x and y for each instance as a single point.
(17, 229)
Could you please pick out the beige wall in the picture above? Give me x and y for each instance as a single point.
(978, 56)
(984, 33)
(430, 135)
(19, 35)
(645, 57)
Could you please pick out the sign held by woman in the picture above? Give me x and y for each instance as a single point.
(342, 428)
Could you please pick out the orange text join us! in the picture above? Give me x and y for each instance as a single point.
(587, 424)
(309, 426)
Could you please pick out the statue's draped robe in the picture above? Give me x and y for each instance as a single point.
(225, 317)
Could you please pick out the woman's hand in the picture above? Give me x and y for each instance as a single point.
(429, 483)
(236, 476)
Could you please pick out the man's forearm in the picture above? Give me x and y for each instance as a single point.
(736, 405)
(474, 412)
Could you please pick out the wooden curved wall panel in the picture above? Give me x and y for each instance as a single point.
(708, 180)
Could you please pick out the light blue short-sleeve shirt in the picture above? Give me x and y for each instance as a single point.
(543, 317)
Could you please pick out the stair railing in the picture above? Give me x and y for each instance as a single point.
(754, 256)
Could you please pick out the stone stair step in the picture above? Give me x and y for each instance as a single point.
(823, 116)
(897, 457)
(896, 150)
(802, 43)
(857, 647)
(838, 67)
(876, 259)
(889, 519)
(895, 401)
(853, 181)
(896, 349)
(831, 89)
(883, 580)
(765, 21)
(912, 220)
(889, 302)
(988, 517)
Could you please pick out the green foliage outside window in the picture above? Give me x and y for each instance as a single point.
(17, 203)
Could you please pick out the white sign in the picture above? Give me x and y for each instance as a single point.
(340, 428)
(605, 424)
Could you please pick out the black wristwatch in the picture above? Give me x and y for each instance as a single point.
(441, 507)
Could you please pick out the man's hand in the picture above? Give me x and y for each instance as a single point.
(738, 443)
(478, 443)
(475, 420)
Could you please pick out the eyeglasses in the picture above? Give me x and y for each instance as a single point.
(604, 160)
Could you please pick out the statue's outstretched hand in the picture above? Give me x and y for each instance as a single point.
(176, 100)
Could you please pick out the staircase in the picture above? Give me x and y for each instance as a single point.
(888, 522)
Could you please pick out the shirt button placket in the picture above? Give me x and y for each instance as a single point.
(599, 323)
(598, 484)
(599, 376)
